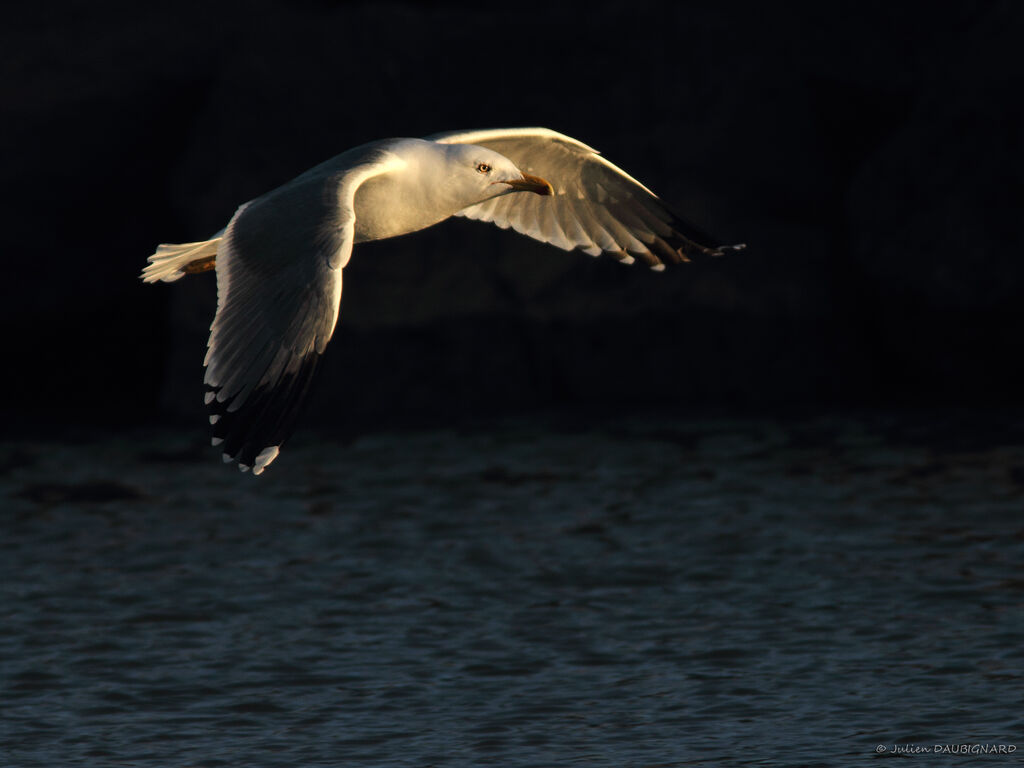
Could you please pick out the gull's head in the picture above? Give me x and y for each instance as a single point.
(484, 173)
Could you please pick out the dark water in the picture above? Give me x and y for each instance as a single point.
(639, 594)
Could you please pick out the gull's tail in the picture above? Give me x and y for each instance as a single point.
(173, 261)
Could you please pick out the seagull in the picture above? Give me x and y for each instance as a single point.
(279, 260)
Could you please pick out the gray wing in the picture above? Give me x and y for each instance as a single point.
(596, 207)
(279, 268)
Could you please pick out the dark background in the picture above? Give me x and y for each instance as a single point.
(869, 154)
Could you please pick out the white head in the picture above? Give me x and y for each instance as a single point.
(476, 174)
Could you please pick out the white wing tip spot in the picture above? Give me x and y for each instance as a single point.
(264, 457)
(214, 418)
(215, 441)
(658, 268)
(208, 397)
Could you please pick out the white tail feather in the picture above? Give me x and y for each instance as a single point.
(170, 259)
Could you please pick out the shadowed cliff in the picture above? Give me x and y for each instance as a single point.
(871, 160)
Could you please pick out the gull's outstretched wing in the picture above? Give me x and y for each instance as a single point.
(596, 206)
(279, 267)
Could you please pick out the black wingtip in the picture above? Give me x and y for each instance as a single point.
(722, 250)
(252, 433)
(690, 250)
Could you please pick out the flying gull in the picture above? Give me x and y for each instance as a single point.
(280, 258)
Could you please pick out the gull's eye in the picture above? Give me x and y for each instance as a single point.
(483, 168)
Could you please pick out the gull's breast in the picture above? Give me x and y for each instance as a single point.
(386, 207)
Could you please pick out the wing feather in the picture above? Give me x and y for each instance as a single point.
(596, 207)
(279, 278)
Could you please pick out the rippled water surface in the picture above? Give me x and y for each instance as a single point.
(635, 594)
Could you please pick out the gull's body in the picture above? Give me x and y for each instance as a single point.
(279, 260)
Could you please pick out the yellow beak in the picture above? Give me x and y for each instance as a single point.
(532, 184)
